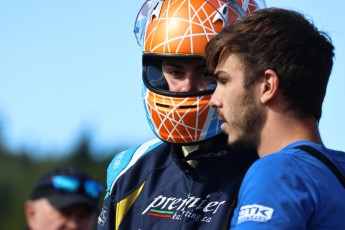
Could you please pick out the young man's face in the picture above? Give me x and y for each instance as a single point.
(236, 105)
(187, 75)
(41, 215)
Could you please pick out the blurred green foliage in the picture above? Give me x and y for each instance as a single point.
(18, 173)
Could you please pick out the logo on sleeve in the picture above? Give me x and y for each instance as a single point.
(102, 218)
(254, 212)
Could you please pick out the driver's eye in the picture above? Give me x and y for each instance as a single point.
(175, 72)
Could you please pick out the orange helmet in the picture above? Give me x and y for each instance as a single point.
(182, 29)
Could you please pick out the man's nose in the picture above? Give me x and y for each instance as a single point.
(191, 84)
(216, 100)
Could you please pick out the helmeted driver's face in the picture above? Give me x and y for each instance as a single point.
(187, 75)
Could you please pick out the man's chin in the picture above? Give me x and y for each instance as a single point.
(237, 144)
(223, 128)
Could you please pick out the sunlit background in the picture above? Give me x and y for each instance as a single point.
(70, 74)
(72, 67)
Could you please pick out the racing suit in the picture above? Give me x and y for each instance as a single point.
(153, 187)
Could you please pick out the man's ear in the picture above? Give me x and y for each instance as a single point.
(29, 210)
(269, 86)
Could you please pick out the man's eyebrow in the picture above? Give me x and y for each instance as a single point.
(172, 64)
(220, 74)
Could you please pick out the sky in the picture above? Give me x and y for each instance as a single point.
(73, 66)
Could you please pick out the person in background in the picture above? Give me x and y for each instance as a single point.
(187, 178)
(63, 198)
(272, 69)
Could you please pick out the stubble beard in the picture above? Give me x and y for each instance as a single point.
(248, 121)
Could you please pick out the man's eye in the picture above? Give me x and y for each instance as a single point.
(221, 81)
(175, 72)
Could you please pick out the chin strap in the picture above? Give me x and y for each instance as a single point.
(315, 153)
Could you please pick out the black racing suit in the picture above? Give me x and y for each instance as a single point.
(152, 186)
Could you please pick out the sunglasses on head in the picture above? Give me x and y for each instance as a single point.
(89, 187)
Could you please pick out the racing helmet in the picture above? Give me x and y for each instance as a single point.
(181, 29)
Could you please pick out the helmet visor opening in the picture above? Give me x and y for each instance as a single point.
(177, 75)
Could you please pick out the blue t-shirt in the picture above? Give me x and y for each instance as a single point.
(291, 189)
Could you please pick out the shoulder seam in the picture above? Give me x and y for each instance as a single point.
(137, 154)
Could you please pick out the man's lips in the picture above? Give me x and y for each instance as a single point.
(220, 116)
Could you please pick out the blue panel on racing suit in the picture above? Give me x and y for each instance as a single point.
(125, 159)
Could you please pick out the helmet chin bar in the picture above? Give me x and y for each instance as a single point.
(181, 120)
